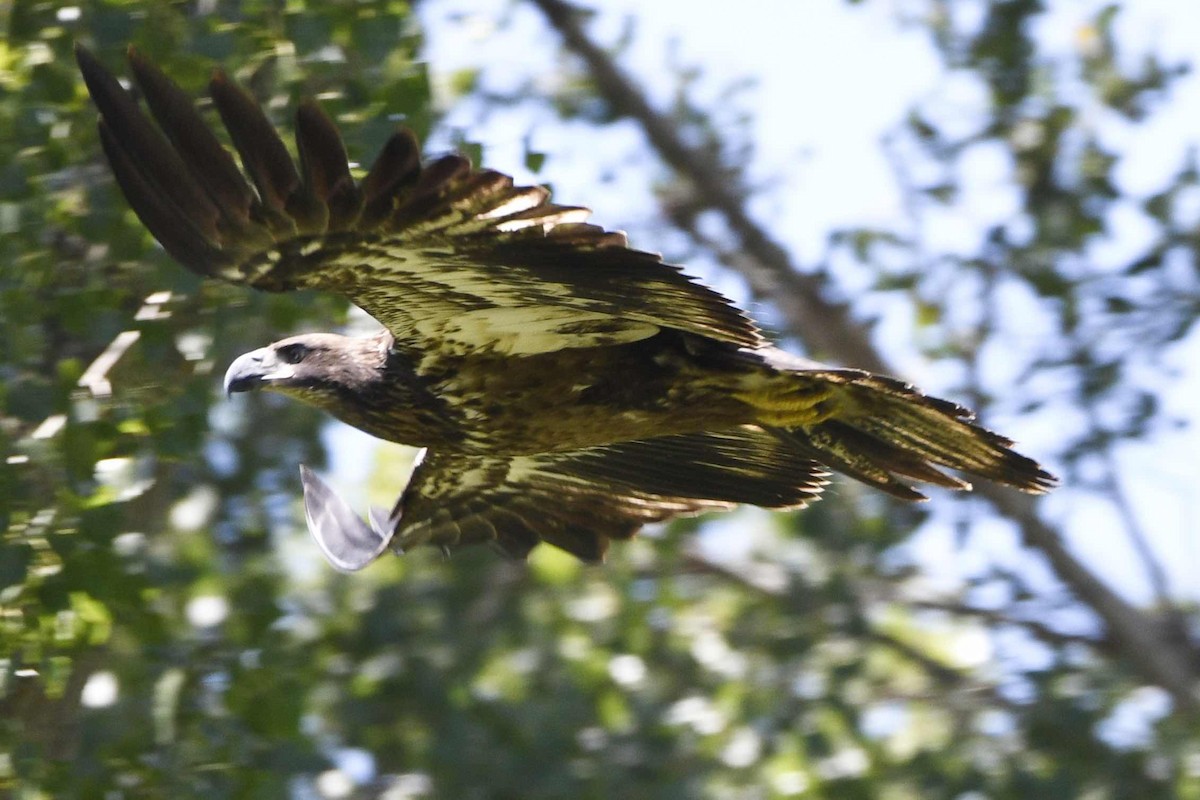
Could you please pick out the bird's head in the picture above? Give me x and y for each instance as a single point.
(314, 367)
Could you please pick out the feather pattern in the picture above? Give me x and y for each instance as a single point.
(445, 256)
(879, 430)
(580, 500)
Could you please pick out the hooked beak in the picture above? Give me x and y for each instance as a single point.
(254, 370)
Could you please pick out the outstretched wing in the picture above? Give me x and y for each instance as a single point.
(578, 500)
(450, 259)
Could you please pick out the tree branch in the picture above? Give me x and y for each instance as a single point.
(944, 675)
(830, 330)
(827, 328)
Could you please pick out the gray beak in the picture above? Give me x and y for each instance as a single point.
(249, 371)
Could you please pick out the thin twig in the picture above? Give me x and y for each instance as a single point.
(1036, 628)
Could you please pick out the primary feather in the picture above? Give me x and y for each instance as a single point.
(443, 255)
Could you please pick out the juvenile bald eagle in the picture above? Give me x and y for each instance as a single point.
(566, 387)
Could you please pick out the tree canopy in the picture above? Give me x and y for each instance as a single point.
(167, 629)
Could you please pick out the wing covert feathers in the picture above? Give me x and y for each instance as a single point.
(441, 253)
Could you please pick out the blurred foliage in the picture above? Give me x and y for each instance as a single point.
(164, 630)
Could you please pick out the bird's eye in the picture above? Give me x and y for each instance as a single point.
(292, 353)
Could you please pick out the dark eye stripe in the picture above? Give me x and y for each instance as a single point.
(292, 353)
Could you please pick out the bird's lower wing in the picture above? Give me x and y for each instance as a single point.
(449, 258)
(578, 501)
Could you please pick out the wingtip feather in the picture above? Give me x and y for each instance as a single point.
(347, 542)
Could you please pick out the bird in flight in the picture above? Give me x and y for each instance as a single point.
(565, 387)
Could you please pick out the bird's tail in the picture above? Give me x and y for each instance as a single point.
(880, 430)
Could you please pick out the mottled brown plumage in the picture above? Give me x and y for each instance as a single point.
(568, 388)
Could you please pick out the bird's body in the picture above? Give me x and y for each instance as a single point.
(562, 400)
(567, 388)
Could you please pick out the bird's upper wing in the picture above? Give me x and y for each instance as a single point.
(577, 500)
(447, 257)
